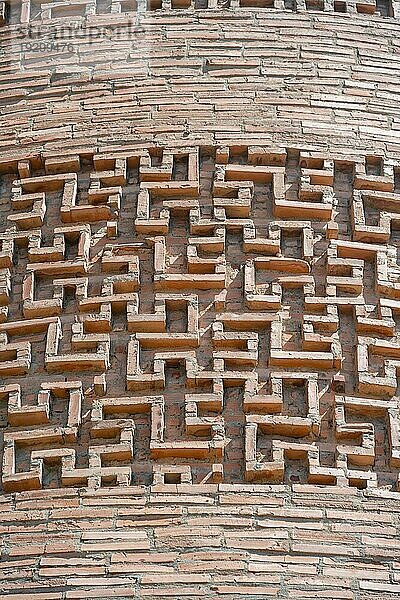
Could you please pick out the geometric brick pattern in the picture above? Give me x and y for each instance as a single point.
(24, 11)
(253, 292)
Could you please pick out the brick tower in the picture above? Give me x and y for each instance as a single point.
(200, 299)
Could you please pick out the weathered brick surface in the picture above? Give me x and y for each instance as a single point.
(199, 299)
(146, 542)
(210, 76)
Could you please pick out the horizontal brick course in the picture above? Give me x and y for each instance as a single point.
(331, 75)
(332, 565)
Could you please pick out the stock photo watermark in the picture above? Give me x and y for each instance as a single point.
(39, 29)
(60, 37)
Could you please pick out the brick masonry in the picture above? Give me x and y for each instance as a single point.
(199, 301)
(306, 79)
(173, 541)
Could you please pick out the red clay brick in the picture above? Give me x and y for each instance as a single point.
(199, 298)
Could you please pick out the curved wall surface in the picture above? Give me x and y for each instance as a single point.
(199, 300)
(212, 76)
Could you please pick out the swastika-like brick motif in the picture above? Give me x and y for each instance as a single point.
(197, 315)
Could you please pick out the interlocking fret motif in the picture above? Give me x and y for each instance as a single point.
(197, 315)
(42, 11)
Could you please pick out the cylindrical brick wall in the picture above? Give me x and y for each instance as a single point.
(199, 299)
(314, 79)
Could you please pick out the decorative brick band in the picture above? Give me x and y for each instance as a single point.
(29, 11)
(253, 292)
